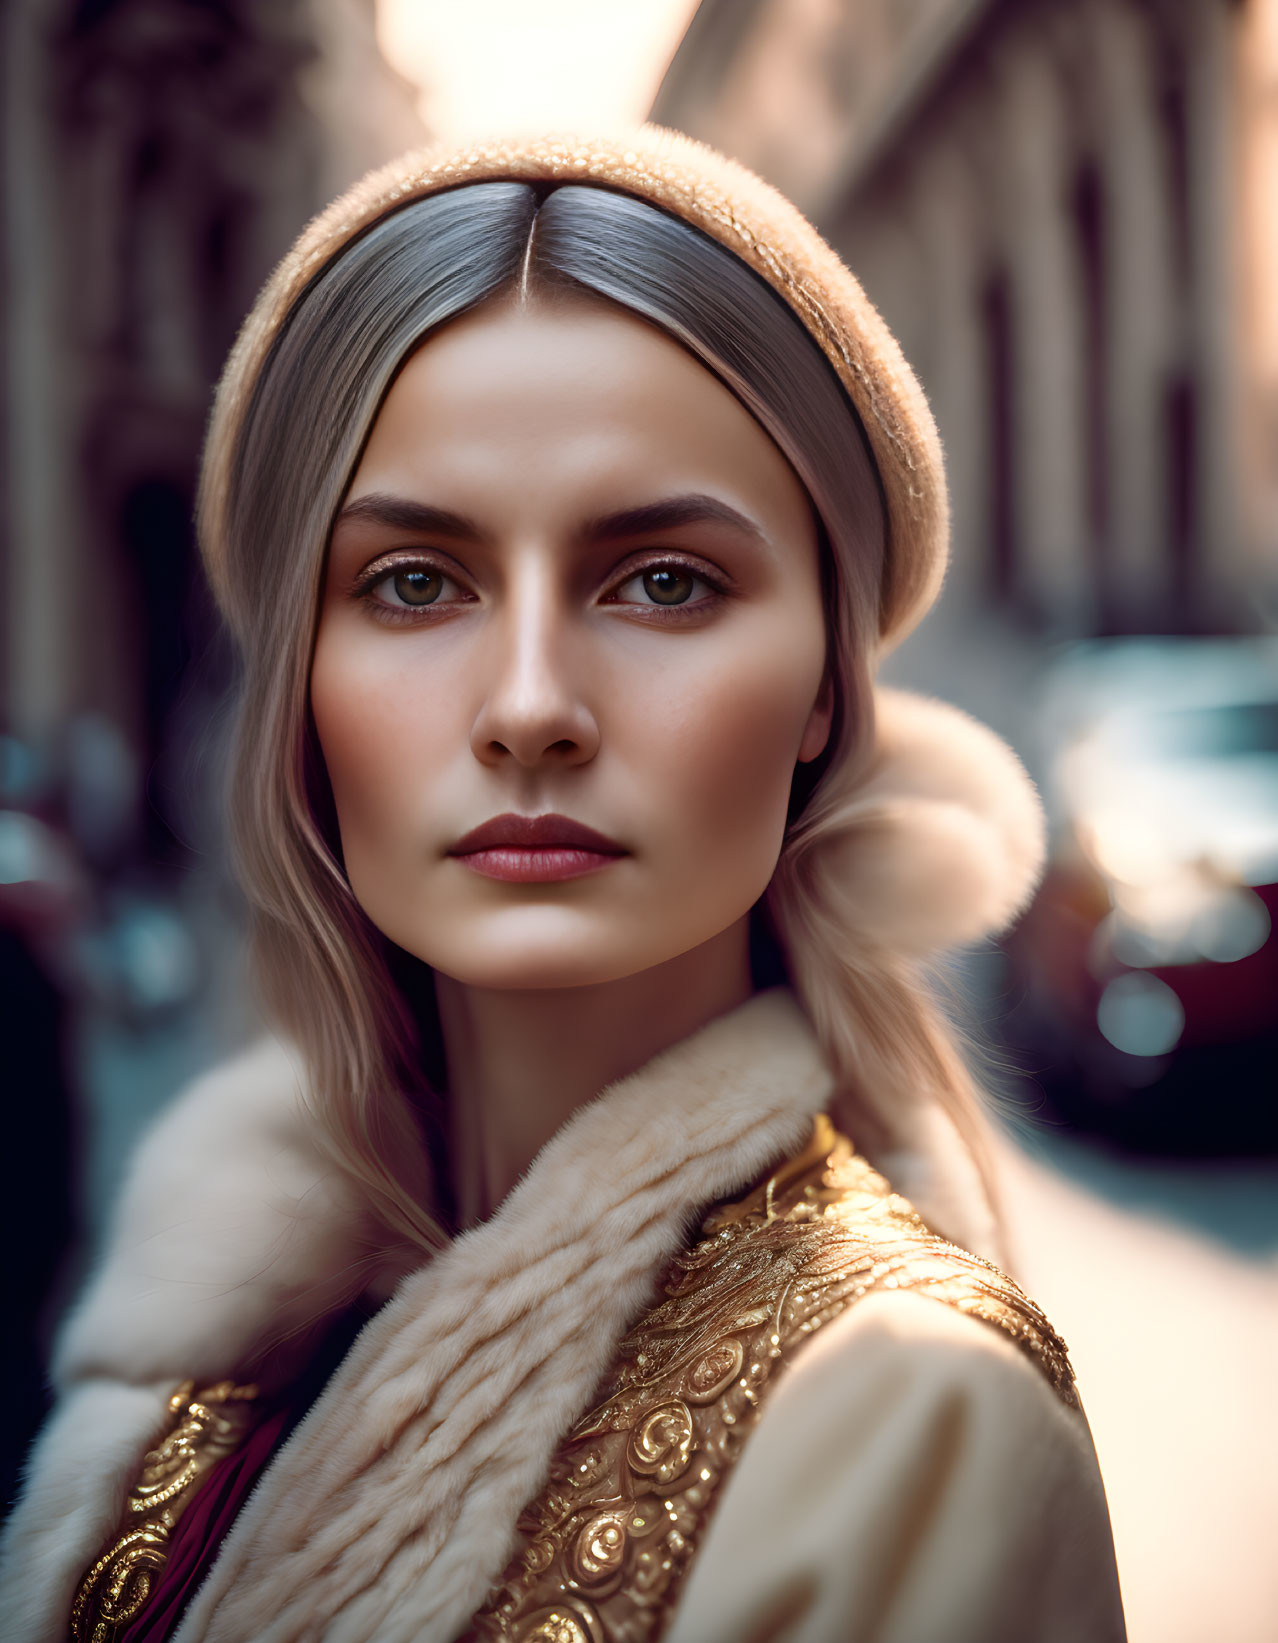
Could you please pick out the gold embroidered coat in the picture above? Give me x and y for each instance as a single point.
(831, 1425)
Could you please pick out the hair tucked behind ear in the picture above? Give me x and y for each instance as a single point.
(329, 977)
(938, 843)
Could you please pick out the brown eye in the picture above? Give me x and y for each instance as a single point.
(666, 585)
(417, 587)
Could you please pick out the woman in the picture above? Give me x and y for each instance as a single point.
(562, 498)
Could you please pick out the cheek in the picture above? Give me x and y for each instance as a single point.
(721, 744)
(379, 737)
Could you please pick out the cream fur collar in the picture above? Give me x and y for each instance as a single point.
(392, 1508)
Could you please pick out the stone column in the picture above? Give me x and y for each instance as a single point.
(1259, 312)
(1035, 245)
(1141, 322)
(1216, 587)
(44, 583)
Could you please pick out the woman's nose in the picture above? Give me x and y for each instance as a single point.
(533, 709)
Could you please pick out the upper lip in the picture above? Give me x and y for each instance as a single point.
(534, 832)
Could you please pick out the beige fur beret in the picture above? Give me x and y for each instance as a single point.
(725, 201)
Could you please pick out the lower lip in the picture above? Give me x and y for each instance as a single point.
(551, 864)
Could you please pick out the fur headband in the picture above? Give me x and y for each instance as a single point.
(944, 841)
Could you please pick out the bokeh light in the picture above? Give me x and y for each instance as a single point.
(502, 66)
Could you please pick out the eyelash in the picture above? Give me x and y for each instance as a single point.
(369, 581)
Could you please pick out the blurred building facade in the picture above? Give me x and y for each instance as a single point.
(159, 156)
(1066, 211)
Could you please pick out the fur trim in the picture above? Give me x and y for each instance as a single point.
(77, 1479)
(945, 840)
(231, 1214)
(392, 1507)
(231, 1236)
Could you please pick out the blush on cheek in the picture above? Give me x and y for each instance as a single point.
(350, 738)
(736, 764)
(376, 737)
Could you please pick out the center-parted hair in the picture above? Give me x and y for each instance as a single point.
(358, 1008)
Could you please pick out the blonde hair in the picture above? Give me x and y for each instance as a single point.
(328, 977)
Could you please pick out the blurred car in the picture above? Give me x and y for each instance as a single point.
(1146, 971)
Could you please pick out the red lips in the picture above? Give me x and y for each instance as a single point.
(535, 849)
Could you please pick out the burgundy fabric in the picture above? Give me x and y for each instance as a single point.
(196, 1539)
(199, 1530)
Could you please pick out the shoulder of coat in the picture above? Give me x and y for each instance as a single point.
(609, 1541)
(820, 1233)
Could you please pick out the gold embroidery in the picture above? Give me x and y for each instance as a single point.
(562, 1623)
(205, 1428)
(610, 1540)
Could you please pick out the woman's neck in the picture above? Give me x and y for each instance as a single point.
(521, 1062)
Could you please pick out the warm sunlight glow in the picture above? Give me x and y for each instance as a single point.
(488, 66)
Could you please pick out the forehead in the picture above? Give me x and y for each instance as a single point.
(566, 401)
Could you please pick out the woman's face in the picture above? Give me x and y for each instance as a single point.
(573, 586)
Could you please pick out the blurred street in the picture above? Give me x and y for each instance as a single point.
(1232, 1203)
(1175, 1342)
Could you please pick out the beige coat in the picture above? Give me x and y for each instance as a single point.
(913, 1478)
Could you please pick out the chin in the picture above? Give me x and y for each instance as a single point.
(537, 968)
(546, 948)
(536, 972)
(544, 942)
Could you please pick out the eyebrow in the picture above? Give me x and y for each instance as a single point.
(402, 515)
(654, 517)
(650, 518)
